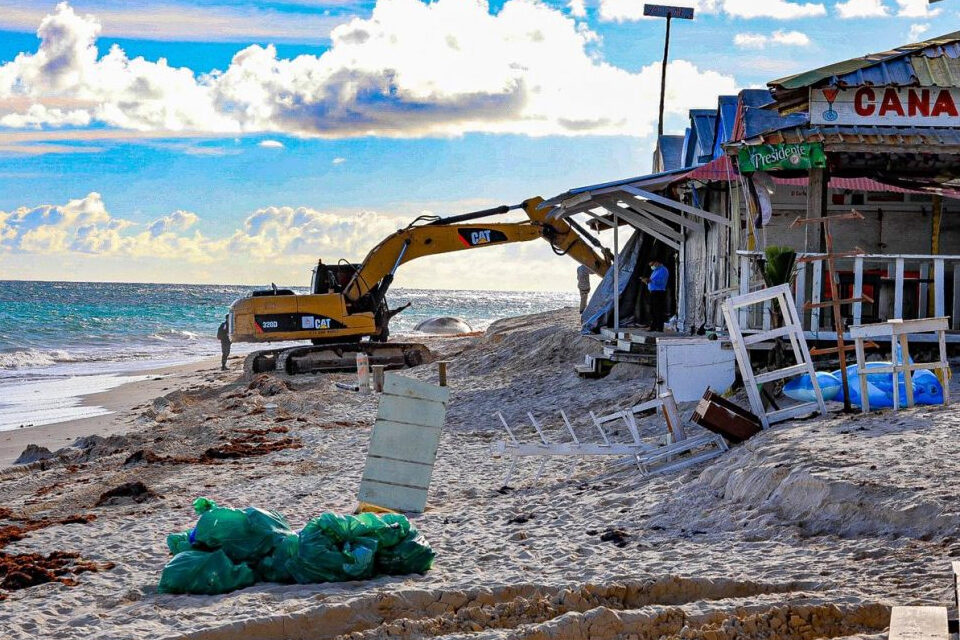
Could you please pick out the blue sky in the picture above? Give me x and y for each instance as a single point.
(118, 116)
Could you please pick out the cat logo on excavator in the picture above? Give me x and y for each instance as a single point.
(477, 237)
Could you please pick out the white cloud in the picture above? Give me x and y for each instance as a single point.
(862, 9)
(338, 161)
(272, 244)
(285, 234)
(177, 221)
(412, 69)
(577, 8)
(625, 10)
(778, 9)
(183, 22)
(917, 31)
(916, 9)
(760, 41)
(271, 144)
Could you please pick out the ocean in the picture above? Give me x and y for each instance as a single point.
(62, 340)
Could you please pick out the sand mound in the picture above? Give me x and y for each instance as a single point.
(595, 611)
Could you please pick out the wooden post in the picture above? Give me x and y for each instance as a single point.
(956, 295)
(937, 221)
(898, 289)
(817, 201)
(378, 370)
(442, 372)
(938, 291)
(858, 290)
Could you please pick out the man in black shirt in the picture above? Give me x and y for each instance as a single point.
(223, 335)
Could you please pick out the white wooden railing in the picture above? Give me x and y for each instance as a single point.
(886, 275)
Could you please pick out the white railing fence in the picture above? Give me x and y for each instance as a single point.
(901, 286)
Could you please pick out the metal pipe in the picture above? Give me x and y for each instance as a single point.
(403, 252)
(616, 272)
(464, 217)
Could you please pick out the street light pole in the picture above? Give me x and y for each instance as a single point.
(668, 12)
(663, 77)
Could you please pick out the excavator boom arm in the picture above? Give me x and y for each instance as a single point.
(460, 233)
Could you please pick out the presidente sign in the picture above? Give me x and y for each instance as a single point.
(766, 157)
(893, 106)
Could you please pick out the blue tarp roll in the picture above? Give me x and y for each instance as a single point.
(601, 302)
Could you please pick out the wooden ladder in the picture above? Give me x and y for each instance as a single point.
(791, 330)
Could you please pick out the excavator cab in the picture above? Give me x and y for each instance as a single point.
(332, 278)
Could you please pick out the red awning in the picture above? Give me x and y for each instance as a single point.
(722, 170)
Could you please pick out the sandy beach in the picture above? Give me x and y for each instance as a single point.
(811, 529)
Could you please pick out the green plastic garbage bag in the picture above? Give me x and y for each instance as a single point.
(178, 542)
(412, 555)
(362, 553)
(204, 572)
(322, 557)
(201, 505)
(276, 567)
(387, 529)
(244, 535)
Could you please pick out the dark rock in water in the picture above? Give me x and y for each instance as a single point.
(125, 494)
(446, 325)
(33, 453)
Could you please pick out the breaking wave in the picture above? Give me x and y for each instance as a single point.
(30, 358)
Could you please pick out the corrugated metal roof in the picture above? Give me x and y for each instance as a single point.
(757, 121)
(862, 135)
(886, 71)
(941, 71)
(746, 99)
(671, 152)
(726, 118)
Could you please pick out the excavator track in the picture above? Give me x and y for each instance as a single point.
(329, 358)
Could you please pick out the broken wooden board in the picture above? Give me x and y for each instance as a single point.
(918, 623)
(403, 444)
(721, 416)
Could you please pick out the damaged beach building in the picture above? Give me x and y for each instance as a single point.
(878, 135)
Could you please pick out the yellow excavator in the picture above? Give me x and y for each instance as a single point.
(347, 303)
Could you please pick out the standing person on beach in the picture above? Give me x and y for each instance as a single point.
(583, 284)
(657, 286)
(223, 335)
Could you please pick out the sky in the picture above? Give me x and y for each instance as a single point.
(215, 141)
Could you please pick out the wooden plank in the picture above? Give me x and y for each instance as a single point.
(864, 106)
(780, 374)
(923, 303)
(411, 410)
(399, 498)
(398, 472)
(956, 296)
(643, 225)
(673, 204)
(757, 297)
(397, 385)
(857, 290)
(658, 211)
(815, 296)
(801, 290)
(404, 442)
(898, 289)
(918, 623)
(796, 411)
(765, 336)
